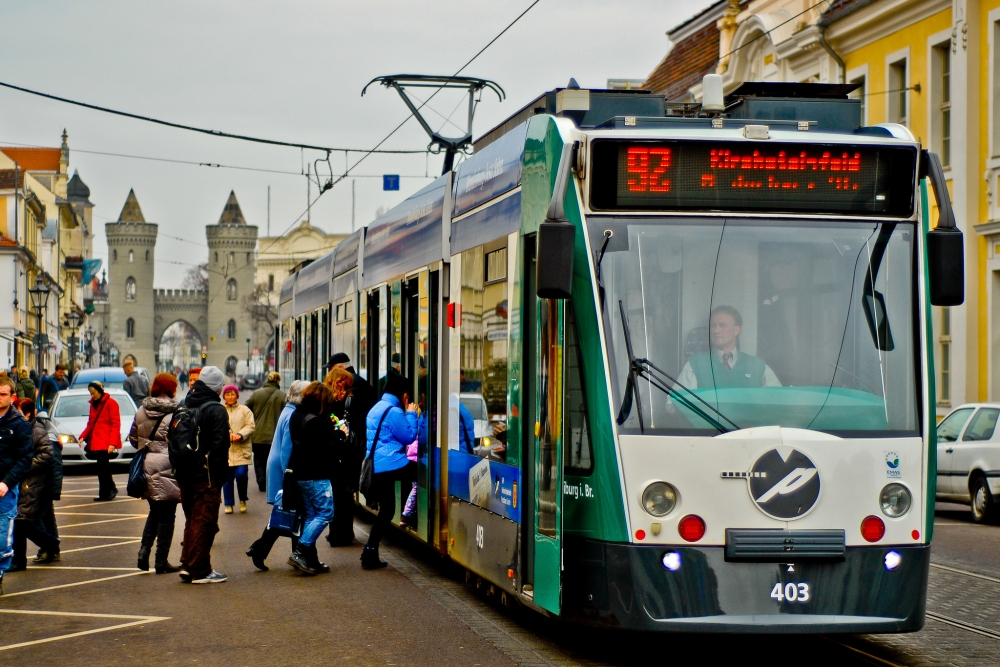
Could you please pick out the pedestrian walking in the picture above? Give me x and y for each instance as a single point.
(316, 446)
(48, 516)
(163, 493)
(16, 451)
(267, 404)
(241, 428)
(35, 494)
(389, 431)
(135, 384)
(345, 483)
(25, 387)
(51, 385)
(102, 438)
(201, 464)
(277, 463)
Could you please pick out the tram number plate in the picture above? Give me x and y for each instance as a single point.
(791, 592)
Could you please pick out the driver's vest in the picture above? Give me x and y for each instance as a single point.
(710, 372)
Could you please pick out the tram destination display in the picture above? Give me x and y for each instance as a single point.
(753, 176)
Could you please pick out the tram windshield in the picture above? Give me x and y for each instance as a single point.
(736, 323)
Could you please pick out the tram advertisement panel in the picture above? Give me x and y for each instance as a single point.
(753, 176)
(489, 484)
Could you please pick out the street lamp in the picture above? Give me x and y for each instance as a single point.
(248, 356)
(39, 301)
(73, 322)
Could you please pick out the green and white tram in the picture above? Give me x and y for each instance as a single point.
(674, 372)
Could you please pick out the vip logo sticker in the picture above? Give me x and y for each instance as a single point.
(892, 467)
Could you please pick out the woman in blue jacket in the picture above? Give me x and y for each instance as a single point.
(393, 429)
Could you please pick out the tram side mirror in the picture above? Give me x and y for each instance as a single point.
(554, 268)
(945, 244)
(878, 320)
(946, 266)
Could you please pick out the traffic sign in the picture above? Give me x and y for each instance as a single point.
(390, 182)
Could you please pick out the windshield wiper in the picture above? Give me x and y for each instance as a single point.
(600, 259)
(647, 370)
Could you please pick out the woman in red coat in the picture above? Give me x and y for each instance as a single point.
(103, 437)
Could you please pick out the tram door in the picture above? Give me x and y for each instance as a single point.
(543, 438)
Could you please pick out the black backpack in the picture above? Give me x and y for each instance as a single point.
(184, 441)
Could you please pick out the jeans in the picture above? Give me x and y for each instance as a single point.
(240, 474)
(8, 512)
(385, 485)
(200, 501)
(104, 479)
(260, 452)
(317, 499)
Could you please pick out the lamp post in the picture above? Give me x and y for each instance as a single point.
(39, 301)
(88, 338)
(248, 356)
(73, 322)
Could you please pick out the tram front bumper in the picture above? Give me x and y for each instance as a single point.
(629, 586)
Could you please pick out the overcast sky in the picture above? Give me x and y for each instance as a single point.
(291, 71)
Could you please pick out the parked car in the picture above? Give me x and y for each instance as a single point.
(111, 377)
(968, 453)
(68, 416)
(476, 405)
(249, 382)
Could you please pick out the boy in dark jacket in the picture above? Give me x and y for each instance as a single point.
(201, 483)
(35, 498)
(16, 449)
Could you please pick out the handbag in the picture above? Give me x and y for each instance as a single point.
(137, 482)
(285, 522)
(367, 480)
(87, 451)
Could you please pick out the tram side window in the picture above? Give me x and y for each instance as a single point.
(483, 369)
(577, 450)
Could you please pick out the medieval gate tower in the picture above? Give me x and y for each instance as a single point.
(139, 314)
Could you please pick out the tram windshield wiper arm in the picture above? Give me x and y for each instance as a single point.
(657, 377)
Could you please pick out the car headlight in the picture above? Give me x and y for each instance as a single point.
(895, 500)
(66, 438)
(659, 498)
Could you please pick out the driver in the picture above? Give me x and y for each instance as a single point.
(725, 365)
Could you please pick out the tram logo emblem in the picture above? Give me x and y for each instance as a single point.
(892, 465)
(783, 484)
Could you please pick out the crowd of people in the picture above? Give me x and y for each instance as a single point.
(40, 390)
(306, 447)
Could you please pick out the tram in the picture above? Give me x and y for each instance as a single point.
(694, 348)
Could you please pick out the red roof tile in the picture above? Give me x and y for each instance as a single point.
(6, 241)
(687, 62)
(34, 159)
(7, 179)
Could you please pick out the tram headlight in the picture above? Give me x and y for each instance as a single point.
(895, 500)
(659, 499)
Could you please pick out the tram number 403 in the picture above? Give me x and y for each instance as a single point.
(790, 592)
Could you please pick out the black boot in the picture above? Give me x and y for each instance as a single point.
(370, 559)
(312, 557)
(146, 546)
(300, 561)
(256, 555)
(164, 535)
(143, 561)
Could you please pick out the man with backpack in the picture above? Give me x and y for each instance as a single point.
(198, 441)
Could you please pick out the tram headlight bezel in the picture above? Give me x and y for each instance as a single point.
(659, 499)
(889, 500)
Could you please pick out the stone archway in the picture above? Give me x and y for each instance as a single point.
(179, 347)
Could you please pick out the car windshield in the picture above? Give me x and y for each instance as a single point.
(804, 324)
(79, 406)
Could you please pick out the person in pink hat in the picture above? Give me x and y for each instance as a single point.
(241, 427)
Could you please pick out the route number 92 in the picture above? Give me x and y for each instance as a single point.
(790, 592)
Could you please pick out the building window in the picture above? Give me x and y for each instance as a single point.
(147, 255)
(270, 282)
(859, 94)
(130, 328)
(898, 93)
(232, 258)
(131, 256)
(941, 102)
(231, 292)
(216, 258)
(231, 327)
(114, 255)
(130, 289)
(944, 341)
(248, 258)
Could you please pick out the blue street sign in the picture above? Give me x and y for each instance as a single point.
(390, 181)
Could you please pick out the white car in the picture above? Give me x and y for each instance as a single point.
(968, 453)
(68, 415)
(476, 405)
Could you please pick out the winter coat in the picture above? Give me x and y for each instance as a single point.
(280, 454)
(240, 422)
(36, 487)
(104, 427)
(398, 431)
(160, 481)
(214, 436)
(135, 385)
(25, 389)
(316, 446)
(363, 399)
(267, 404)
(56, 472)
(16, 448)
